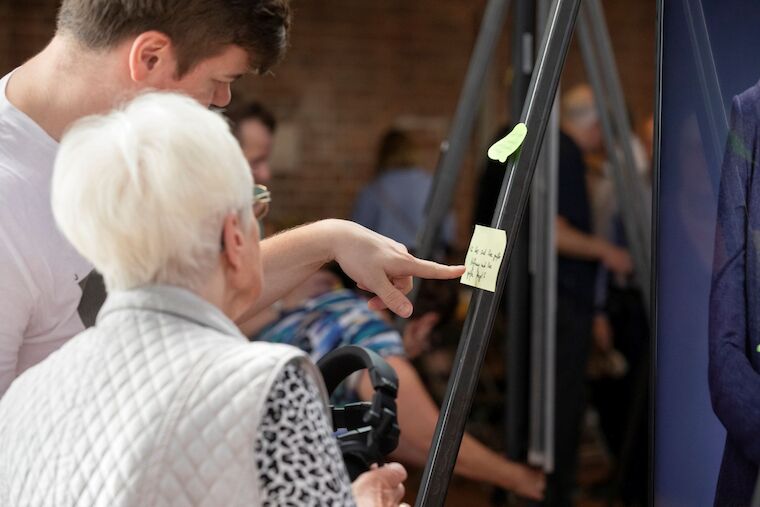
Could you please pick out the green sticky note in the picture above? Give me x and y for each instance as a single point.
(502, 149)
(484, 258)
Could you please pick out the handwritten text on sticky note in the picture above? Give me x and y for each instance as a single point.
(503, 148)
(484, 258)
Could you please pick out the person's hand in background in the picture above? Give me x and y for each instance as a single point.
(380, 487)
(605, 360)
(577, 244)
(602, 332)
(528, 482)
(617, 260)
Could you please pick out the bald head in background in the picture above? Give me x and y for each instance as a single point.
(580, 118)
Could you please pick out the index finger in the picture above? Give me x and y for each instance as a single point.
(432, 270)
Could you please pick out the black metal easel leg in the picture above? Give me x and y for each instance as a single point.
(517, 341)
(509, 213)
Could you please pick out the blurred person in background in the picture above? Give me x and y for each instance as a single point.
(619, 365)
(254, 127)
(580, 253)
(646, 134)
(322, 314)
(394, 203)
(602, 191)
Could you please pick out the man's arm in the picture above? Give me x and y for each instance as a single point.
(734, 383)
(376, 263)
(574, 243)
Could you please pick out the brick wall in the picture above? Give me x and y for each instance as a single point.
(25, 28)
(357, 67)
(632, 29)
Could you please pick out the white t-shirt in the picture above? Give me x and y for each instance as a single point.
(39, 270)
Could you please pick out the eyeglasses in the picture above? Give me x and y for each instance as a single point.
(261, 199)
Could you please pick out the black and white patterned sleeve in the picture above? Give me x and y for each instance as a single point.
(297, 455)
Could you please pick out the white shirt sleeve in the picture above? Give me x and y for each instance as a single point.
(17, 299)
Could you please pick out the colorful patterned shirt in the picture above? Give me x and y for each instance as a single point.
(329, 321)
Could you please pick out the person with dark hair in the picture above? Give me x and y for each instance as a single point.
(394, 203)
(195, 30)
(579, 256)
(254, 126)
(104, 53)
(324, 315)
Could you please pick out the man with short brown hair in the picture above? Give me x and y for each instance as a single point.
(198, 29)
(105, 52)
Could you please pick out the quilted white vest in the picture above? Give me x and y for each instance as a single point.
(158, 405)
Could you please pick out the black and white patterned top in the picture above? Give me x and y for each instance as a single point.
(297, 455)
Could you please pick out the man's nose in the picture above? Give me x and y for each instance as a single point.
(222, 95)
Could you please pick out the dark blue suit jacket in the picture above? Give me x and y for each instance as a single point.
(735, 305)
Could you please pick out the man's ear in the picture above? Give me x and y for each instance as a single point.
(420, 327)
(428, 321)
(233, 242)
(152, 60)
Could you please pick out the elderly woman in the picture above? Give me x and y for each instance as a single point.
(164, 401)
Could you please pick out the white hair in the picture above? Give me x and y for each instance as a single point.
(142, 192)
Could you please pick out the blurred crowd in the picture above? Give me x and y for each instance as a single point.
(602, 328)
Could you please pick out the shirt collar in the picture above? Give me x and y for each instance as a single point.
(171, 300)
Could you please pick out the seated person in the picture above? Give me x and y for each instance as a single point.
(323, 315)
(164, 401)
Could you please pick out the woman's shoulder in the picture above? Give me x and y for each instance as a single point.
(260, 354)
(248, 370)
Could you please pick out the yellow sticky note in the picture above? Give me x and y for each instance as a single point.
(484, 258)
(503, 148)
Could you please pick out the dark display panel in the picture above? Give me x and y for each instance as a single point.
(709, 64)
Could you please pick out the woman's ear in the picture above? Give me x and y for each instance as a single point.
(233, 242)
(152, 61)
